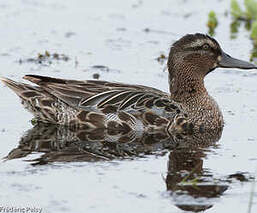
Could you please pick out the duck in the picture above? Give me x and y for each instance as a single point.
(187, 110)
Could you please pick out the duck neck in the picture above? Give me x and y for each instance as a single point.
(186, 85)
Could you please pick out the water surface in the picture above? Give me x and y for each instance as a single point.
(126, 37)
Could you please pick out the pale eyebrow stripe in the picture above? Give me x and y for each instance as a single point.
(200, 42)
(196, 43)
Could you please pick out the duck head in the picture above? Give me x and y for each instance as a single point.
(192, 57)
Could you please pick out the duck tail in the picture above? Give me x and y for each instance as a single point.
(17, 87)
(33, 98)
(24, 91)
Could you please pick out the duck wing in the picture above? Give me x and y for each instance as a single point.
(103, 96)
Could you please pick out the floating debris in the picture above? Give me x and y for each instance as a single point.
(137, 4)
(241, 176)
(162, 59)
(96, 76)
(96, 70)
(46, 58)
(118, 43)
(187, 15)
(148, 30)
(76, 62)
(69, 34)
(100, 68)
(121, 29)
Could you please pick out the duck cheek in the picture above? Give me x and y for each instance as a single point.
(193, 58)
(208, 63)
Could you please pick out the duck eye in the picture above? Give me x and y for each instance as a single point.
(206, 46)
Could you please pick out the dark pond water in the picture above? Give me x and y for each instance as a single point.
(120, 41)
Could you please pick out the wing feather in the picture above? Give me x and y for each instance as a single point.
(97, 95)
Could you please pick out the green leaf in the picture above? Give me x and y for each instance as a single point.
(33, 121)
(235, 9)
(251, 9)
(254, 32)
(212, 22)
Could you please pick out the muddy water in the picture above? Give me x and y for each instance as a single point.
(125, 37)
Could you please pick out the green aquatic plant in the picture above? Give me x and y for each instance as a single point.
(33, 121)
(193, 182)
(249, 16)
(212, 22)
(250, 12)
(251, 9)
(254, 38)
(254, 32)
(253, 53)
(236, 10)
(234, 29)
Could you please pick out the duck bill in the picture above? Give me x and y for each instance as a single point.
(229, 62)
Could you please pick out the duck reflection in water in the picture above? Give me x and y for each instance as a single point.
(191, 187)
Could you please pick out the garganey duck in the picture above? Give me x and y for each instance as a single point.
(91, 104)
